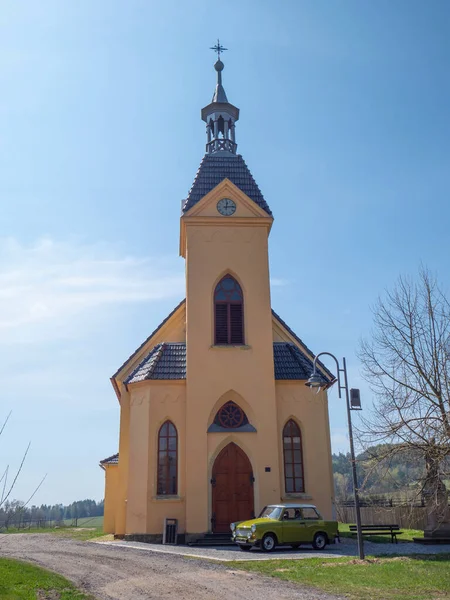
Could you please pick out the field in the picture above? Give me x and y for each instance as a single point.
(86, 522)
(22, 581)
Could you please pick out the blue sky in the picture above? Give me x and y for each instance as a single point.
(344, 124)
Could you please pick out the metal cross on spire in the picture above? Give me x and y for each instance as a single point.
(218, 48)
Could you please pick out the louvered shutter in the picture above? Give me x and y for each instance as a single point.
(221, 324)
(236, 324)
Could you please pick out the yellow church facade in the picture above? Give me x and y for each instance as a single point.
(215, 419)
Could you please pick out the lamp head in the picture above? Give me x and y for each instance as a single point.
(315, 381)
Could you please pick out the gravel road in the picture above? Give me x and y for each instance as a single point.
(127, 574)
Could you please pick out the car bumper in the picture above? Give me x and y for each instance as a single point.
(241, 541)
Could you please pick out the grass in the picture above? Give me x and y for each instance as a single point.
(22, 581)
(407, 534)
(416, 577)
(87, 522)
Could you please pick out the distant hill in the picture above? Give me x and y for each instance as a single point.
(398, 477)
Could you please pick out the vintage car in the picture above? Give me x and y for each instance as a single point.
(285, 525)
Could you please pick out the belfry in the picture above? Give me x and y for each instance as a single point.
(215, 419)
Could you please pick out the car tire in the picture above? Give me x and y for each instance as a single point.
(320, 541)
(245, 547)
(268, 543)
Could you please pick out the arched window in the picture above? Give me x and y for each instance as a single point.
(293, 458)
(229, 312)
(167, 460)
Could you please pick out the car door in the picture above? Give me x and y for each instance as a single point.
(311, 520)
(293, 526)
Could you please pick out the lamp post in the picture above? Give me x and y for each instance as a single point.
(353, 403)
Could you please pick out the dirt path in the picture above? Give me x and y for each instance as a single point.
(109, 572)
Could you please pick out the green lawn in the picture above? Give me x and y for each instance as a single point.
(407, 534)
(87, 522)
(22, 581)
(417, 577)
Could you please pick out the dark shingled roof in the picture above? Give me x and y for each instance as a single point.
(213, 169)
(295, 336)
(111, 460)
(168, 361)
(291, 363)
(179, 305)
(165, 361)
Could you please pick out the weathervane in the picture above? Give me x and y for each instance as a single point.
(218, 48)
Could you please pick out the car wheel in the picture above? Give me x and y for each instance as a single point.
(245, 547)
(269, 542)
(320, 541)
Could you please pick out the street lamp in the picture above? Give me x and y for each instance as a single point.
(353, 403)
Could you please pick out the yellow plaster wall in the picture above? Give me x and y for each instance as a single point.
(151, 404)
(212, 250)
(122, 488)
(111, 495)
(310, 411)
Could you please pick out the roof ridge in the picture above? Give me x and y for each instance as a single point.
(156, 359)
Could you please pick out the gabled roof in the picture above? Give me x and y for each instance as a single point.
(213, 169)
(179, 305)
(165, 361)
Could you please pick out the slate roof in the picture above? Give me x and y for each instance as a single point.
(179, 305)
(300, 341)
(291, 363)
(111, 460)
(165, 361)
(168, 361)
(213, 169)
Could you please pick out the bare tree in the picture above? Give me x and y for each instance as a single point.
(7, 485)
(407, 364)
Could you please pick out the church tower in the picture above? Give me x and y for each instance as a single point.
(225, 225)
(215, 419)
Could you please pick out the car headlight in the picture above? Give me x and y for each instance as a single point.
(233, 526)
(253, 528)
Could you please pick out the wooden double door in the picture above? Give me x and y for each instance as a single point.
(232, 489)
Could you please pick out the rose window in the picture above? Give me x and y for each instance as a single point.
(230, 416)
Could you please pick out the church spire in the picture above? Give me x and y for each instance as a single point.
(220, 116)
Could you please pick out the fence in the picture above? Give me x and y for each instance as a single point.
(409, 517)
(16, 521)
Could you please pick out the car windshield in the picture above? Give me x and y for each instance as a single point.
(271, 512)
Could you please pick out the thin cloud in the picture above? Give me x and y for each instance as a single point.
(47, 287)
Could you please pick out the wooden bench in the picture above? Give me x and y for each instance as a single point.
(392, 530)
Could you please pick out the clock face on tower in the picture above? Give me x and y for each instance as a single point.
(226, 207)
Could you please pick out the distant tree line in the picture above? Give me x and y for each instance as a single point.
(384, 472)
(15, 513)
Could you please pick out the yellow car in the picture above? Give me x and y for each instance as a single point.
(285, 525)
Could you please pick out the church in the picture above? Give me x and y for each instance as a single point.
(216, 421)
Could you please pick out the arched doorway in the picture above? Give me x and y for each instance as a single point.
(232, 488)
